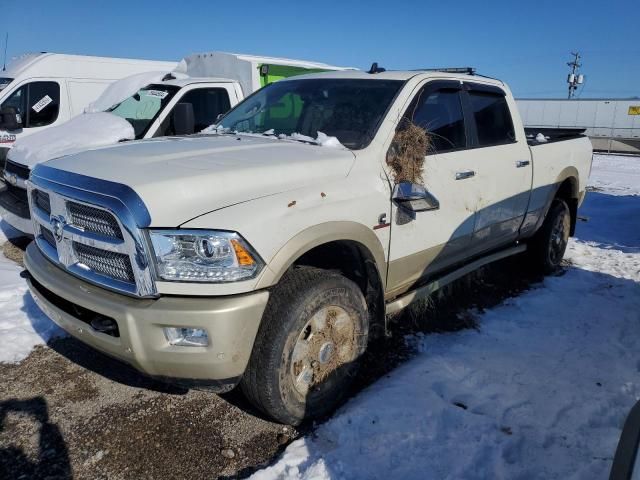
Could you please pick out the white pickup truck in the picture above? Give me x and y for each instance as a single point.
(266, 253)
(155, 104)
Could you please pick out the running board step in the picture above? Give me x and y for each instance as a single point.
(404, 301)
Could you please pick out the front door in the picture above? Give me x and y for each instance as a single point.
(425, 242)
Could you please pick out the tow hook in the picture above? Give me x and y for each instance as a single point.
(104, 325)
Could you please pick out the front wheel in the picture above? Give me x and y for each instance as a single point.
(549, 244)
(306, 354)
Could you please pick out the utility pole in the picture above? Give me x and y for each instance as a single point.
(574, 79)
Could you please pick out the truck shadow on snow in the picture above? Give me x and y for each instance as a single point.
(613, 228)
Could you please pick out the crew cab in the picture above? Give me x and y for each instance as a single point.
(146, 105)
(268, 252)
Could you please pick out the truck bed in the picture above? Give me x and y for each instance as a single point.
(552, 134)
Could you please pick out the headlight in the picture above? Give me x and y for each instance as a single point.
(203, 256)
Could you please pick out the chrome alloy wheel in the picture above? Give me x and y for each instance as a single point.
(327, 342)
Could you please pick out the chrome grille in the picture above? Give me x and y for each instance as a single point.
(42, 201)
(92, 229)
(110, 264)
(48, 236)
(94, 220)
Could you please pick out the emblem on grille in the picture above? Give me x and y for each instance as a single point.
(57, 227)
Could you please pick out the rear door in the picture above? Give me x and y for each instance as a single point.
(503, 166)
(425, 242)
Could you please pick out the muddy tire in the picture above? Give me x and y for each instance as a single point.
(549, 244)
(308, 347)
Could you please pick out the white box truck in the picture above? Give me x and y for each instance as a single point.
(157, 104)
(40, 90)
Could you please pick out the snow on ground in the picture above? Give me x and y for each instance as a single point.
(540, 391)
(22, 324)
(7, 231)
(617, 174)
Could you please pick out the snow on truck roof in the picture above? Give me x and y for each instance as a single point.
(202, 59)
(184, 81)
(245, 69)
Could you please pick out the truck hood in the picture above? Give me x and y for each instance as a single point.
(182, 178)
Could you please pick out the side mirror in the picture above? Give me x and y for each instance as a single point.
(414, 197)
(10, 119)
(626, 462)
(183, 119)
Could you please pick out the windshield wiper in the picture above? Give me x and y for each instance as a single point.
(298, 137)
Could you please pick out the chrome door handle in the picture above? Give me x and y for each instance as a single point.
(465, 174)
(522, 163)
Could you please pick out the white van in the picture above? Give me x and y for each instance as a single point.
(40, 90)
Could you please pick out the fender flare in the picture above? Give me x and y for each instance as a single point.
(568, 173)
(321, 234)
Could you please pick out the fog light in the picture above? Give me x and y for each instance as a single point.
(187, 337)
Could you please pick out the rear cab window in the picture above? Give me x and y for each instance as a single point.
(492, 117)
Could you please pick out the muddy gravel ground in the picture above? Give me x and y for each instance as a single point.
(69, 412)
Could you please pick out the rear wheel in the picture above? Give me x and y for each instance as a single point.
(548, 246)
(306, 353)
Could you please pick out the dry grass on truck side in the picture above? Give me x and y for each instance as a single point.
(407, 152)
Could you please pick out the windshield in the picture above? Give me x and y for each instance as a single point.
(349, 109)
(4, 82)
(142, 108)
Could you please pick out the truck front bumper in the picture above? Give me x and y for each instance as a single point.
(14, 208)
(231, 323)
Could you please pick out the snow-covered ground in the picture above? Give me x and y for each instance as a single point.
(540, 391)
(22, 324)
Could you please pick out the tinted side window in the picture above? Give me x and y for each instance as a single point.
(44, 103)
(493, 118)
(18, 100)
(440, 114)
(207, 103)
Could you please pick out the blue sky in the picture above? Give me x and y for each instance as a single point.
(526, 44)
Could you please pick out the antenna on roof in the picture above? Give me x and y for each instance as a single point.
(375, 69)
(4, 63)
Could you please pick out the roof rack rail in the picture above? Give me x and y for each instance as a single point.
(466, 70)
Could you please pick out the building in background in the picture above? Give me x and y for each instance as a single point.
(612, 124)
